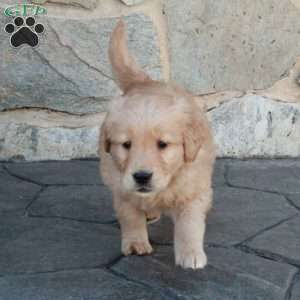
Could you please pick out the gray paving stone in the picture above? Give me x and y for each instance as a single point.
(282, 176)
(295, 199)
(75, 285)
(219, 172)
(282, 241)
(58, 172)
(161, 232)
(39, 245)
(276, 273)
(15, 194)
(230, 274)
(48, 258)
(295, 295)
(237, 215)
(90, 203)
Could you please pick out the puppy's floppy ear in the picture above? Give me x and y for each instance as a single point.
(104, 138)
(125, 69)
(194, 136)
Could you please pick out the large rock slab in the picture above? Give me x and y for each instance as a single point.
(15, 194)
(70, 70)
(250, 126)
(75, 172)
(79, 3)
(230, 274)
(222, 45)
(85, 203)
(236, 216)
(23, 141)
(253, 126)
(132, 2)
(280, 176)
(31, 245)
(282, 241)
(77, 284)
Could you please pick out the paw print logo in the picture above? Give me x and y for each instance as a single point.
(24, 31)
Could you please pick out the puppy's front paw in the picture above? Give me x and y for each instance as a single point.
(189, 258)
(136, 247)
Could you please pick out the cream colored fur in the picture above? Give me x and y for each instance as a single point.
(149, 112)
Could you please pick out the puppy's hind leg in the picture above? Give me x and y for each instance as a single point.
(189, 226)
(134, 229)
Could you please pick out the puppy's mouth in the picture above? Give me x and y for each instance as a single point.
(144, 190)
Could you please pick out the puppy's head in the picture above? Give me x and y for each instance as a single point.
(152, 130)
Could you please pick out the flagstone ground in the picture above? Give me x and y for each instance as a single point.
(60, 240)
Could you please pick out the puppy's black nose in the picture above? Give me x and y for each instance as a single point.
(142, 177)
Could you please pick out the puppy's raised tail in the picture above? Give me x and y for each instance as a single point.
(126, 71)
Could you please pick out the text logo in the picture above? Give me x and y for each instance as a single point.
(24, 10)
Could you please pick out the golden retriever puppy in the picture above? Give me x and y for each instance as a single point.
(156, 155)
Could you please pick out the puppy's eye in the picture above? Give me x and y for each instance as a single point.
(127, 145)
(162, 145)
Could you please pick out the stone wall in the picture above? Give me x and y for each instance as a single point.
(241, 58)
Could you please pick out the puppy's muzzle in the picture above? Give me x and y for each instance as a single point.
(143, 179)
